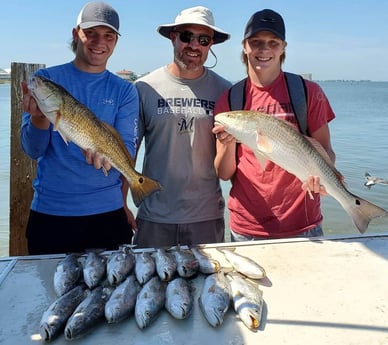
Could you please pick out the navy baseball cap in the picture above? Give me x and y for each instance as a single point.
(266, 20)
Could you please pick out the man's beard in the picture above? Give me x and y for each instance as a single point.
(184, 66)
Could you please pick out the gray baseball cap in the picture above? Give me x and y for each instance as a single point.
(98, 13)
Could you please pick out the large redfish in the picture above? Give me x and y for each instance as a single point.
(76, 123)
(276, 140)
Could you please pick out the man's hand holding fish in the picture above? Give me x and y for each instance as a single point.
(38, 119)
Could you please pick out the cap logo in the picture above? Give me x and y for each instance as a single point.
(265, 20)
(103, 13)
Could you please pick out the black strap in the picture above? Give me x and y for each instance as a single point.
(298, 95)
(297, 92)
(236, 102)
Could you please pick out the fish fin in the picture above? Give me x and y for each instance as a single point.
(57, 120)
(117, 136)
(318, 146)
(142, 186)
(56, 126)
(263, 146)
(263, 143)
(362, 212)
(64, 138)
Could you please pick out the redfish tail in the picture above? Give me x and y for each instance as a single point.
(142, 187)
(362, 212)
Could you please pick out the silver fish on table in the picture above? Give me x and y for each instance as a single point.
(165, 264)
(214, 299)
(149, 302)
(121, 302)
(243, 264)
(87, 315)
(67, 274)
(119, 265)
(76, 123)
(179, 298)
(55, 317)
(145, 267)
(187, 263)
(94, 269)
(276, 140)
(247, 300)
(207, 265)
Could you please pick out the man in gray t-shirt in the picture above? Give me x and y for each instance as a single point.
(177, 103)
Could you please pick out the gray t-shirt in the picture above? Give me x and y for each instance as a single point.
(176, 122)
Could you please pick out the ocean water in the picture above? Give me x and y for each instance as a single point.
(358, 137)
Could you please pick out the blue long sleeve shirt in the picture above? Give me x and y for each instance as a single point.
(65, 184)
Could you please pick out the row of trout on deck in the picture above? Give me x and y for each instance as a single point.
(114, 286)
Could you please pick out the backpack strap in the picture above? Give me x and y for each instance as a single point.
(236, 102)
(296, 87)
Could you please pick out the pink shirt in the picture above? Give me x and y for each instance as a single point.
(271, 203)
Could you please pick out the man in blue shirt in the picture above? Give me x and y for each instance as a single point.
(75, 206)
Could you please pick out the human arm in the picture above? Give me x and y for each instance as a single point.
(225, 159)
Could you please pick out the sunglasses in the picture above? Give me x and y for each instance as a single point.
(188, 36)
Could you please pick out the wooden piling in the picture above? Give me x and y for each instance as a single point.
(22, 168)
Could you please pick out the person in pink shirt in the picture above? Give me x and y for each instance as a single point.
(267, 201)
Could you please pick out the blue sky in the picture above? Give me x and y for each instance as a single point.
(332, 39)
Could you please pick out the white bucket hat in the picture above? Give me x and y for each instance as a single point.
(195, 15)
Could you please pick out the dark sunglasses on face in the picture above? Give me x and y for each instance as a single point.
(188, 36)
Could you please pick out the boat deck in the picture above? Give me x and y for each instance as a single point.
(324, 291)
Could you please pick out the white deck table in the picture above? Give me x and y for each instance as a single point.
(324, 291)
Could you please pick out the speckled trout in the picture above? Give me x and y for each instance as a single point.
(276, 140)
(247, 299)
(76, 123)
(55, 317)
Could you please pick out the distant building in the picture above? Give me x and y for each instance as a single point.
(5, 76)
(307, 76)
(127, 75)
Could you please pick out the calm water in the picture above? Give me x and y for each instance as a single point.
(358, 137)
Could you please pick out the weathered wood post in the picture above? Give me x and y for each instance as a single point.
(22, 168)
